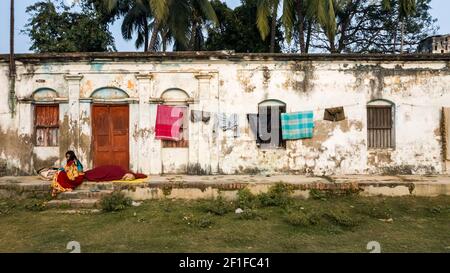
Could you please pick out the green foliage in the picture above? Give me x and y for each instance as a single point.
(325, 218)
(302, 219)
(58, 29)
(246, 199)
(317, 194)
(417, 229)
(115, 202)
(7, 207)
(324, 195)
(35, 205)
(237, 29)
(202, 222)
(376, 212)
(277, 196)
(251, 214)
(218, 206)
(342, 218)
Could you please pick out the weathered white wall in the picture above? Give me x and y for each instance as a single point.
(419, 90)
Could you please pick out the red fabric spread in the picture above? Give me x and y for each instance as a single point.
(109, 173)
(168, 122)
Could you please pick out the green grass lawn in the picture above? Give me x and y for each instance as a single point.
(324, 224)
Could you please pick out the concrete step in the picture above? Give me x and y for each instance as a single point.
(74, 203)
(83, 194)
(96, 185)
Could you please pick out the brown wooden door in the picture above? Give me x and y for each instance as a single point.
(110, 126)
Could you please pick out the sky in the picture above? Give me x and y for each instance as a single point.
(439, 11)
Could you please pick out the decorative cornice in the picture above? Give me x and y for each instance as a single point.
(142, 76)
(203, 76)
(73, 77)
(162, 101)
(44, 101)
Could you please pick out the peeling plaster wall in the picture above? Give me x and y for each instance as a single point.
(419, 90)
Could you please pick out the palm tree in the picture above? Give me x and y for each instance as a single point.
(301, 14)
(201, 12)
(296, 12)
(137, 19)
(406, 8)
(158, 8)
(264, 10)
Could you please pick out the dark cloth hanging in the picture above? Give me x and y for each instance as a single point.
(253, 122)
(334, 114)
(197, 116)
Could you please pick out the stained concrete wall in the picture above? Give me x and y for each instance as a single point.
(419, 88)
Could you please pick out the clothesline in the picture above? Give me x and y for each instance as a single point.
(316, 109)
(345, 106)
(417, 105)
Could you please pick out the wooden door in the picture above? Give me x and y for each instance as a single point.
(110, 127)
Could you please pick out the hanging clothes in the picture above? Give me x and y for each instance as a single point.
(298, 125)
(334, 114)
(169, 120)
(197, 116)
(253, 123)
(226, 122)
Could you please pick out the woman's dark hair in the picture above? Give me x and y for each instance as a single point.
(72, 155)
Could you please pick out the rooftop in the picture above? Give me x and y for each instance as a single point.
(217, 55)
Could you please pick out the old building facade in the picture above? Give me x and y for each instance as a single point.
(435, 44)
(103, 106)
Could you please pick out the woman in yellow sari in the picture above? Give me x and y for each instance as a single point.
(69, 177)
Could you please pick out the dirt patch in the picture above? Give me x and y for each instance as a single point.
(64, 137)
(245, 81)
(266, 75)
(379, 158)
(297, 69)
(16, 147)
(398, 79)
(247, 171)
(86, 88)
(196, 169)
(323, 131)
(131, 85)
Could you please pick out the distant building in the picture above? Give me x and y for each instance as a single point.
(435, 44)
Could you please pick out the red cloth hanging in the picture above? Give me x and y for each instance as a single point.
(169, 120)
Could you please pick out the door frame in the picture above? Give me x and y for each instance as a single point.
(115, 104)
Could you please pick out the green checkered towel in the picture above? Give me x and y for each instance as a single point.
(298, 125)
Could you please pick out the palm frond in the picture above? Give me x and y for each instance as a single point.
(288, 18)
(207, 11)
(263, 10)
(160, 8)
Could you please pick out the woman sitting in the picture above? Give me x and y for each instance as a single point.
(111, 173)
(69, 177)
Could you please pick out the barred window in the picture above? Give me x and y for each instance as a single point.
(46, 124)
(380, 125)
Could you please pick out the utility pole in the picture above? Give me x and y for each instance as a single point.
(12, 62)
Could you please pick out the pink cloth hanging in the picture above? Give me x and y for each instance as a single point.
(169, 120)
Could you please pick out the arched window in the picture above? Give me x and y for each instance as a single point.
(46, 117)
(109, 93)
(269, 134)
(380, 124)
(177, 98)
(44, 94)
